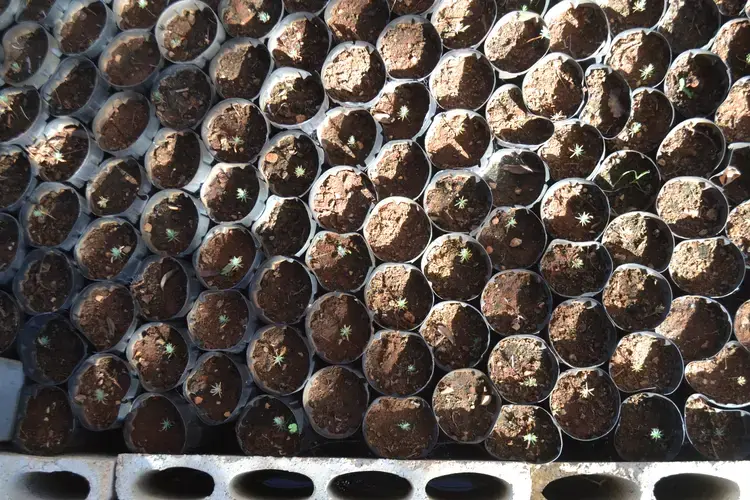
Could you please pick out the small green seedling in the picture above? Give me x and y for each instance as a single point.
(647, 71)
(639, 6)
(586, 391)
(637, 366)
(299, 171)
(404, 426)
(577, 151)
(100, 396)
(403, 113)
(343, 252)
(242, 194)
(545, 33)
(411, 369)
(465, 254)
(278, 359)
(511, 223)
(684, 88)
(352, 141)
(401, 303)
(234, 264)
(530, 439)
(172, 235)
(292, 428)
(635, 128)
(43, 341)
(156, 96)
(584, 218)
(264, 17)
(576, 263)
(345, 331)
(117, 253)
(741, 380)
(223, 320)
(175, 42)
(142, 4)
(529, 382)
(216, 390)
(656, 434)
(279, 422)
(236, 141)
(102, 201)
(58, 157)
(166, 424)
(170, 349)
(15, 66)
(461, 203)
(747, 59)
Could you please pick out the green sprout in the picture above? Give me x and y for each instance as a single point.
(411, 368)
(172, 235)
(577, 263)
(511, 223)
(100, 396)
(15, 66)
(216, 389)
(351, 141)
(299, 171)
(58, 157)
(639, 6)
(747, 59)
(43, 341)
(530, 439)
(142, 4)
(401, 303)
(461, 203)
(545, 33)
(343, 252)
(234, 264)
(403, 113)
(117, 253)
(175, 42)
(586, 391)
(635, 128)
(656, 434)
(741, 380)
(647, 71)
(684, 88)
(242, 194)
(4, 100)
(236, 141)
(223, 320)
(404, 426)
(278, 359)
(156, 96)
(637, 366)
(264, 17)
(529, 382)
(584, 218)
(292, 428)
(524, 8)
(102, 201)
(577, 151)
(345, 331)
(166, 424)
(279, 422)
(169, 349)
(465, 254)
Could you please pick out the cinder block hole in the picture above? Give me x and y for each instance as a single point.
(468, 485)
(59, 485)
(271, 484)
(177, 482)
(695, 487)
(369, 484)
(591, 487)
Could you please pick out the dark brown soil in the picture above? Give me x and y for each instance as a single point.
(689, 24)
(697, 325)
(635, 299)
(294, 99)
(343, 200)
(517, 44)
(100, 390)
(458, 202)
(56, 350)
(711, 267)
(585, 404)
(398, 363)
(35, 10)
(241, 70)
(401, 169)
(175, 160)
(457, 335)
(348, 137)
(156, 426)
(266, 429)
(182, 99)
(457, 140)
(356, 74)
(735, 178)
(574, 150)
(644, 362)
(697, 84)
(115, 187)
(523, 369)
(172, 223)
(608, 101)
(630, 180)
(124, 124)
(572, 270)
(358, 20)
(83, 28)
(47, 283)
(636, 436)
(105, 250)
(722, 378)
(513, 238)
(291, 165)
(218, 320)
(189, 33)
(465, 405)
(396, 284)
(731, 114)
(286, 229)
(464, 23)
(732, 44)
(9, 239)
(46, 422)
(22, 109)
(284, 291)
(218, 263)
(642, 58)
(25, 53)
(245, 18)
(237, 133)
(398, 231)
(105, 315)
(692, 208)
(554, 89)
(401, 112)
(511, 122)
(336, 401)
(423, 53)
(15, 171)
(160, 356)
(457, 269)
(279, 360)
(303, 44)
(463, 81)
(51, 220)
(60, 155)
(738, 228)
(340, 262)
(133, 16)
(400, 427)
(215, 387)
(623, 15)
(581, 333)
(339, 328)
(637, 239)
(650, 120)
(75, 89)
(232, 193)
(524, 434)
(161, 290)
(578, 31)
(575, 211)
(716, 434)
(516, 302)
(10, 321)
(131, 61)
(742, 324)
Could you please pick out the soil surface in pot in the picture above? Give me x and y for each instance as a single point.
(636, 299)
(650, 428)
(83, 28)
(575, 211)
(641, 57)
(462, 81)
(284, 291)
(291, 165)
(171, 224)
(716, 434)
(690, 149)
(516, 177)
(401, 169)
(115, 187)
(696, 84)
(175, 160)
(51, 220)
(57, 350)
(35, 10)
(458, 202)
(630, 180)
(356, 74)
(572, 270)
(338, 139)
(402, 111)
(523, 369)
(156, 426)
(581, 333)
(219, 320)
(74, 90)
(510, 121)
(397, 363)
(722, 378)
(47, 283)
(679, 26)
(253, 19)
(608, 101)
(574, 150)
(465, 405)
(25, 54)
(130, 61)
(457, 335)
(286, 229)
(742, 324)
(400, 428)
(336, 401)
(638, 239)
(21, 111)
(650, 120)
(732, 43)
(215, 388)
(517, 44)
(516, 302)
(133, 16)
(399, 297)
(643, 362)
(182, 99)
(231, 193)
(161, 290)
(731, 115)
(578, 31)
(339, 328)
(189, 33)
(280, 360)
(697, 325)
(524, 434)
(464, 23)
(47, 422)
(738, 228)
(100, 390)
(513, 238)
(105, 250)
(711, 267)
(15, 170)
(160, 356)
(266, 429)
(124, 123)
(692, 208)
(340, 262)
(585, 404)
(294, 99)
(457, 140)
(358, 20)
(457, 269)
(105, 315)
(398, 231)
(10, 314)
(237, 133)
(241, 70)
(9, 239)
(226, 257)
(423, 54)
(303, 44)
(554, 88)
(623, 15)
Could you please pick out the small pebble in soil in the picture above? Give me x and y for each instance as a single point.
(636, 298)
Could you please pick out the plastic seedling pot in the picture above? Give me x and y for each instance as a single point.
(486, 224)
(528, 83)
(90, 163)
(602, 177)
(247, 387)
(255, 287)
(692, 123)
(543, 348)
(666, 290)
(295, 420)
(118, 345)
(171, 71)
(417, 401)
(218, 231)
(201, 225)
(241, 344)
(452, 173)
(180, 9)
(676, 378)
(514, 16)
(439, 5)
(309, 412)
(48, 65)
(76, 280)
(721, 200)
(108, 31)
(193, 285)
(7, 274)
(108, 54)
(9, 13)
(29, 393)
(274, 143)
(376, 210)
(483, 305)
(229, 46)
(509, 88)
(465, 239)
(609, 73)
(591, 186)
(134, 211)
(610, 335)
(34, 130)
(271, 204)
(649, 31)
(284, 22)
(447, 115)
(373, 166)
(381, 269)
(192, 356)
(559, 10)
(12, 375)
(28, 209)
(139, 147)
(437, 308)
(318, 185)
(259, 381)
(233, 29)
(28, 343)
(601, 252)
(54, 13)
(325, 122)
(134, 260)
(696, 365)
(368, 350)
(407, 19)
(221, 108)
(718, 421)
(31, 183)
(77, 402)
(191, 425)
(459, 54)
(391, 86)
(672, 417)
(308, 258)
(663, 228)
(338, 49)
(204, 161)
(696, 53)
(504, 160)
(724, 241)
(549, 417)
(98, 96)
(221, 169)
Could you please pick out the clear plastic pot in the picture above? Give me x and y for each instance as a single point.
(271, 204)
(614, 160)
(204, 160)
(513, 16)
(722, 209)
(461, 54)
(74, 385)
(612, 100)
(589, 185)
(237, 29)
(76, 280)
(260, 202)
(338, 49)
(274, 143)
(483, 305)
(417, 402)
(179, 9)
(232, 45)
(504, 160)
(560, 10)
(28, 393)
(676, 378)
(436, 309)
(34, 130)
(391, 86)
(108, 30)
(693, 123)
(28, 339)
(99, 93)
(118, 346)
(724, 241)
(191, 425)
(291, 404)
(255, 287)
(118, 8)
(462, 411)
(465, 240)
(192, 355)
(666, 290)
(318, 185)
(381, 269)
(529, 84)
(241, 345)
(133, 212)
(376, 338)
(503, 418)
(249, 266)
(7, 274)
(139, 147)
(171, 71)
(309, 411)
(609, 332)
(219, 109)
(48, 65)
(694, 53)
(108, 54)
(193, 285)
(308, 126)
(134, 259)
(27, 211)
(326, 122)
(376, 210)
(447, 115)
(600, 250)
(201, 225)
(732, 344)
(258, 381)
(675, 445)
